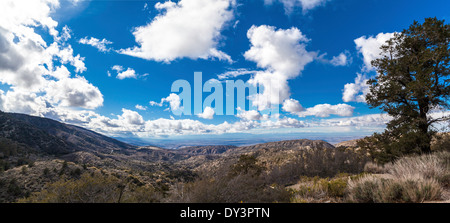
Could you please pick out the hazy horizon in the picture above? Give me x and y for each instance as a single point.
(235, 140)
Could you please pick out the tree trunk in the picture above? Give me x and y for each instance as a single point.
(425, 144)
(425, 147)
(425, 138)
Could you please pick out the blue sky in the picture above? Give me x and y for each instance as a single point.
(109, 65)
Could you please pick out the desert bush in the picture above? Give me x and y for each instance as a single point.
(408, 179)
(88, 189)
(324, 163)
(336, 187)
(141, 194)
(364, 190)
(24, 170)
(430, 166)
(441, 142)
(241, 188)
(93, 188)
(308, 192)
(14, 188)
(4, 165)
(315, 189)
(241, 181)
(46, 172)
(408, 189)
(371, 167)
(245, 165)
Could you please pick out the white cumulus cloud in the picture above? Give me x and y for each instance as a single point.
(173, 99)
(141, 107)
(292, 106)
(131, 117)
(123, 74)
(343, 59)
(74, 92)
(186, 29)
(36, 70)
(325, 110)
(357, 91)
(208, 113)
(306, 5)
(369, 47)
(283, 55)
(101, 45)
(249, 115)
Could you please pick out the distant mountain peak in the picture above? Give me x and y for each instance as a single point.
(53, 137)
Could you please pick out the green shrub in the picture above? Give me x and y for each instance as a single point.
(24, 170)
(14, 189)
(315, 189)
(46, 172)
(94, 188)
(335, 188)
(76, 172)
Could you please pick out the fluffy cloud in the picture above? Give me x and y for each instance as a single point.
(141, 107)
(131, 117)
(309, 4)
(306, 5)
(283, 55)
(186, 29)
(101, 45)
(292, 106)
(27, 63)
(325, 110)
(65, 55)
(208, 113)
(278, 50)
(235, 73)
(373, 120)
(357, 91)
(174, 101)
(282, 123)
(21, 63)
(129, 73)
(123, 74)
(343, 59)
(19, 16)
(24, 102)
(369, 47)
(74, 92)
(322, 110)
(131, 122)
(249, 115)
(124, 124)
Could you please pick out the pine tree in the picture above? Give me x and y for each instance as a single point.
(412, 80)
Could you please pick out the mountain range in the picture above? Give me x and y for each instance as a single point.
(45, 143)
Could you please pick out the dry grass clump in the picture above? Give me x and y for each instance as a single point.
(409, 179)
(427, 165)
(410, 189)
(435, 166)
(371, 167)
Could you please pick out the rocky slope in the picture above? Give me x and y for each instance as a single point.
(55, 137)
(33, 151)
